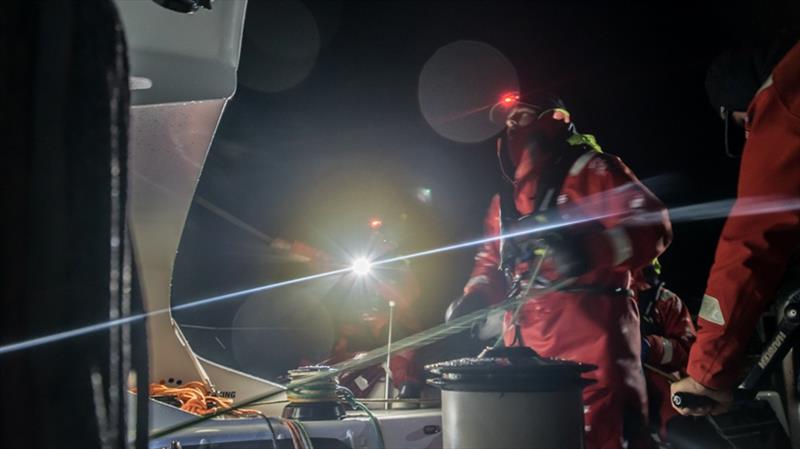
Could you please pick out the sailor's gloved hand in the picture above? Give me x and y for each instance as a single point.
(723, 398)
(465, 305)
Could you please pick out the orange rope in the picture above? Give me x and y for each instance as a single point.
(195, 397)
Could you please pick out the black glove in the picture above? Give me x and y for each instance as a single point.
(465, 305)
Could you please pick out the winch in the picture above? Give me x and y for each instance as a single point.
(314, 401)
(511, 398)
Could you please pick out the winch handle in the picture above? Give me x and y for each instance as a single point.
(784, 339)
(689, 400)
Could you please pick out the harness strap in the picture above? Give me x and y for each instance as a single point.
(548, 188)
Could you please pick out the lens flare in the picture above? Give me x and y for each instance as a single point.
(362, 266)
(459, 84)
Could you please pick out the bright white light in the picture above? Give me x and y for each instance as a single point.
(361, 266)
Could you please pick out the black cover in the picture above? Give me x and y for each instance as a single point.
(513, 369)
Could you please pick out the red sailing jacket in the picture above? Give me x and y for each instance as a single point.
(670, 344)
(754, 250)
(590, 324)
(637, 227)
(670, 341)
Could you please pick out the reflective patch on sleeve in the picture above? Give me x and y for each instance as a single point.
(481, 255)
(710, 310)
(477, 280)
(621, 243)
(362, 383)
(636, 202)
(668, 351)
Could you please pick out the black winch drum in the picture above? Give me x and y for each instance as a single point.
(511, 398)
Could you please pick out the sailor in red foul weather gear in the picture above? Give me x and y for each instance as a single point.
(667, 337)
(360, 309)
(368, 329)
(558, 175)
(757, 247)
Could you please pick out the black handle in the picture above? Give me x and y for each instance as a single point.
(689, 400)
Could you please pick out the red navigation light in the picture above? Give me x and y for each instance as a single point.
(375, 223)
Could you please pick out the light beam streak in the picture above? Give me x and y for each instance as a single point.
(696, 212)
(27, 344)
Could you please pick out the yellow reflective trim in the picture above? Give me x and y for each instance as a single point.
(656, 266)
(585, 139)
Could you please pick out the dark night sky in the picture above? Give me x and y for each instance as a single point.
(314, 160)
